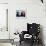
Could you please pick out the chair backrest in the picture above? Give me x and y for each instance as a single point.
(33, 28)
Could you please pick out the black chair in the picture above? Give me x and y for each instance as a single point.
(32, 29)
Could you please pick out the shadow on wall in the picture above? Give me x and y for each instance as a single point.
(41, 34)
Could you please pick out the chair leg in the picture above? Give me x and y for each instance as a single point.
(32, 42)
(20, 42)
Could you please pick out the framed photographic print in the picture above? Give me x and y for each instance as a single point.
(20, 13)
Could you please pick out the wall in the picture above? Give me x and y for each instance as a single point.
(35, 12)
(3, 1)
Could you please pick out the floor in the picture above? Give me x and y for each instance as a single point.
(5, 44)
(23, 44)
(27, 44)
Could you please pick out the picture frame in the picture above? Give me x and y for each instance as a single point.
(20, 13)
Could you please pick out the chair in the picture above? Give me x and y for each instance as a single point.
(33, 30)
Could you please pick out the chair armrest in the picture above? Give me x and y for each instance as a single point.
(24, 32)
(22, 35)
